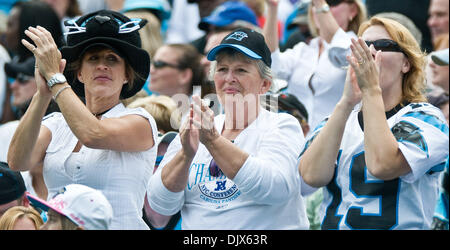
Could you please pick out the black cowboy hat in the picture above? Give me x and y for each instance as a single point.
(112, 30)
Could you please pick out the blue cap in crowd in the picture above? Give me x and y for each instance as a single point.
(227, 13)
(161, 6)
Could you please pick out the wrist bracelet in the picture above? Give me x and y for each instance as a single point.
(59, 92)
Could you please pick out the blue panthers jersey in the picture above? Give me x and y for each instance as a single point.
(354, 199)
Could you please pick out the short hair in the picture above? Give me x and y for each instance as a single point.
(264, 71)
(10, 217)
(189, 58)
(414, 85)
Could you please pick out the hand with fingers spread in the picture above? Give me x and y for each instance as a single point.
(365, 67)
(48, 57)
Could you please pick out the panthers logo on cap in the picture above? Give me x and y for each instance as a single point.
(238, 35)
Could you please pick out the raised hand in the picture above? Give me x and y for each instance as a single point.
(367, 70)
(48, 57)
(189, 135)
(204, 121)
(352, 93)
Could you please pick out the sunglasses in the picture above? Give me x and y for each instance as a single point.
(385, 45)
(21, 79)
(162, 64)
(332, 3)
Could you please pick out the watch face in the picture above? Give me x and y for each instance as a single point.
(60, 78)
(57, 78)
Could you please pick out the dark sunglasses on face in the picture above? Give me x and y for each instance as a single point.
(21, 79)
(385, 45)
(162, 64)
(332, 3)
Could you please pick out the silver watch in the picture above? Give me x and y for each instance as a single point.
(56, 79)
(324, 9)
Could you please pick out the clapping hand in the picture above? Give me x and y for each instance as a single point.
(48, 58)
(366, 68)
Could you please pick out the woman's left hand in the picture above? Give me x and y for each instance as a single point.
(48, 57)
(365, 67)
(204, 121)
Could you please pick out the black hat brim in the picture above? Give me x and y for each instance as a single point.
(137, 58)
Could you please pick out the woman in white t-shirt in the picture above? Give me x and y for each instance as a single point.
(236, 170)
(100, 144)
(311, 75)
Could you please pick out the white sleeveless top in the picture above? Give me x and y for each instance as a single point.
(121, 176)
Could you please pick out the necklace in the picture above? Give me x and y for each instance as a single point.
(101, 113)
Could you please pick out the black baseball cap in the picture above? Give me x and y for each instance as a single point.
(247, 41)
(291, 102)
(12, 185)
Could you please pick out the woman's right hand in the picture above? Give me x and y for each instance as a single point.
(352, 93)
(48, 57)
(189, 136)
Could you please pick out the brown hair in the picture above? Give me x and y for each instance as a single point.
(413, 87)
(189, 58)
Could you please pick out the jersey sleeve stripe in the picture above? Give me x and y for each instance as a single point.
(430, 119)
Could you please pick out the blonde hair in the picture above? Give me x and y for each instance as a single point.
(353, 24)
(163, 109)
(10, 217)
(414, 85)
(151, 33)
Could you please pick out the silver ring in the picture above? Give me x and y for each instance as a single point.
(33, 49)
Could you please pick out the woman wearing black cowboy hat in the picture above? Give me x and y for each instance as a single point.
(100, 144)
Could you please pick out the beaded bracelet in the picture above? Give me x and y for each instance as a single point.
(59, 91)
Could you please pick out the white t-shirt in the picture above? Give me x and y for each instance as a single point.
(354, 199)
(265, 193)
(4, 58)
(302, 67)
(121, 176)
(6, 133)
